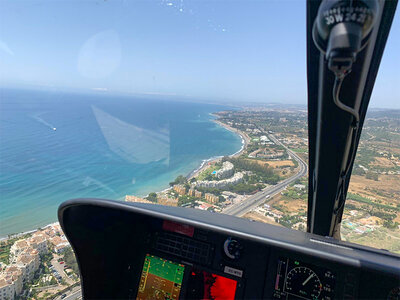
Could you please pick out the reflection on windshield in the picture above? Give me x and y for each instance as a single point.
(132, 143)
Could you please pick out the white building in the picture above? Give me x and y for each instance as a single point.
(14, 274)
(17, 248)
(226, 170)
(28, 262)
(39, 243)
(235, 179)
(7, 289)
(59, 243)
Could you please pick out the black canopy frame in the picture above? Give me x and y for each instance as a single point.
(332, 142)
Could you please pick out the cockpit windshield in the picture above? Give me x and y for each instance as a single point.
(198, 104)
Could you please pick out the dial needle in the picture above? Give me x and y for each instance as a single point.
(308, 279)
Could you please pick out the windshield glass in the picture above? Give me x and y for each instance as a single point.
(372, 210)
(198, 104)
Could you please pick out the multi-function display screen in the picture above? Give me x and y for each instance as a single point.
(205, 285)
(298, 280)
(163, 279)
(160, 279)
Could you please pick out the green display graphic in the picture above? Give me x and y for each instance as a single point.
(161, 279)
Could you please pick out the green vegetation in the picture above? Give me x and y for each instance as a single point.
(243, 188)
(288, 221)
(295, 194)
(206, 174)
(152, 197)
(70, 260)
(264, 173)
(372, 176)
(362, 199)
(186, 199)
(390, 224)
(5, 252)
(179, 180)
(299, 150)
(5, 248)
(213, 191)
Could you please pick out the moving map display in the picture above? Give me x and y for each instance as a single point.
(206, 285)
(160, 279)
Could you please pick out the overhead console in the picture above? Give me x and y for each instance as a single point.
(144, 251)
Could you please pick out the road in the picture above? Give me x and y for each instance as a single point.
(60, 269)
(74, 294)
(239, 209)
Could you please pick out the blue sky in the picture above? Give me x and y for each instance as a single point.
(209, 50)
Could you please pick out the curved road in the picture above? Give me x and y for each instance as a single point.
(239, 209)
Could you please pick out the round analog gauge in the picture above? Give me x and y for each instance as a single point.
(302, 281)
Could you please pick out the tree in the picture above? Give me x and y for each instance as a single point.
(70, 260)
(178, 180)
(372, 176)
(152, 197)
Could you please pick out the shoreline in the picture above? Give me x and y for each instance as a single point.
(19, 234)
(204, 164)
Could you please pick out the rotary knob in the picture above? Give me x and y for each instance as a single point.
(232, 249)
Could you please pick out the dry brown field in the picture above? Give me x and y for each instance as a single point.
(293, 205)
(274, 163)
(383, 162)
(388, 187)
(259, 218)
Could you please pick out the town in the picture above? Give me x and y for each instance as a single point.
(372, 211)
(37, 265)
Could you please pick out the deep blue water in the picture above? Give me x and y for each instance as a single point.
(56, 146)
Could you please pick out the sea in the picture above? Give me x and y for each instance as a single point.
(56, 146)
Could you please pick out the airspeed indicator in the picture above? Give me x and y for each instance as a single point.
(303, 282)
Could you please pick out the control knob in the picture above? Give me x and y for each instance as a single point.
(232, 248)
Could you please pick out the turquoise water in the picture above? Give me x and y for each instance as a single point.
(58, 146)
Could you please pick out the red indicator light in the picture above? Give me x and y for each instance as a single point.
(178, 228)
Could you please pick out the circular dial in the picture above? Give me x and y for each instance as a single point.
(302, 281)
(232, 248)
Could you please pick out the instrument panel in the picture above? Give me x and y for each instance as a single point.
(150, 252)
(297, 280)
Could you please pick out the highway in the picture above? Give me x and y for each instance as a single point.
(239, 209)
(72, 295)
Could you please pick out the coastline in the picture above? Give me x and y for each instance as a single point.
(204, 164)
(16, 235)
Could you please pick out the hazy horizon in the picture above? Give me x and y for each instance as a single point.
(221, 52)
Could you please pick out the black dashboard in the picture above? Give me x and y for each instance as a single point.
(144, 251)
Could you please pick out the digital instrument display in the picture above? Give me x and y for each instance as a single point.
(160, 279)
(205, 285)
(298, 280)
